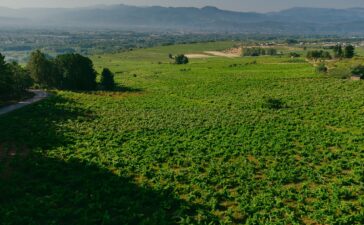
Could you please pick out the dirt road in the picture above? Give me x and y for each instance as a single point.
(39, 95)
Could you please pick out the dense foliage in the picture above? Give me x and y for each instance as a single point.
(338, 51)
(349, 51)
(67, 71)
(14, 80)
(294, 55)
(358, 70)
(107, 79)
(43, 70)
(259, 51)
(321, 68)
(318, 54)
(181, 59)
(189, 144)
(76, 71)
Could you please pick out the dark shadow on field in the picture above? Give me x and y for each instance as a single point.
(36, 126)
(46, 191)
(127, 89)
(36, 189)
(118, 90)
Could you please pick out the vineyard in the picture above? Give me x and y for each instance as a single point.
(262, 140)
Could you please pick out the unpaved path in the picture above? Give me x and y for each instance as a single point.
(39, 95)
(222, 54)
(198, 56)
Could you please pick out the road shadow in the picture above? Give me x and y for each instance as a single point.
(36, 189)
(121, 88)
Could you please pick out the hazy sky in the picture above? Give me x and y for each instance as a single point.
(237, 5)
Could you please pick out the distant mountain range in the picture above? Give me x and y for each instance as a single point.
(207, 19)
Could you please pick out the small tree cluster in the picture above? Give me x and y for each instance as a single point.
(348, 52)
(14, 80)
(181, 59)
(259, 51)
(318, 54)
(338, 51)
(68, 71)
(76, 72)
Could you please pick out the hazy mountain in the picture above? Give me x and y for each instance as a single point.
(295, 20)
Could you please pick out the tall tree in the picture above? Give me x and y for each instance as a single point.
(42, 70)
(107, 79)
(5, 77)
(21, 77)
(338, 51)
(349, 51)
(77, 72)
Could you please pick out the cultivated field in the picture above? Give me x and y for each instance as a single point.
(189, 144)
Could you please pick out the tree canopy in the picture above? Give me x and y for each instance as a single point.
(43, 70)
(77, 72)
(181, 59)
(107, 79)
(349, 51)
(13, 79)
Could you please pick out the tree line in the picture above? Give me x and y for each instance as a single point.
(67, 72)
(13, 79)
(259, 51)
(347, 52)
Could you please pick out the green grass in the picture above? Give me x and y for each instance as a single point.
(190, 144)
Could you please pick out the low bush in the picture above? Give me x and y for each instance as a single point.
(294, 55)
(274, 103)
(358, 70)
(340, 72)
(321, 68)
(181, 59)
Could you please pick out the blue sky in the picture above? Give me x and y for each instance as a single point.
(237, 5)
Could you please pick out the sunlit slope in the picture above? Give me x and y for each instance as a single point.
(190, 144)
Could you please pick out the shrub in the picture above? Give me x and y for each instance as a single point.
(321, 68)
(181, 59)
(294, 55)
(271, 51)
(358, 70)
(274, 103)
(340, 72)
(107, 79)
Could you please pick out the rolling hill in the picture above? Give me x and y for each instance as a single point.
(207, 19)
